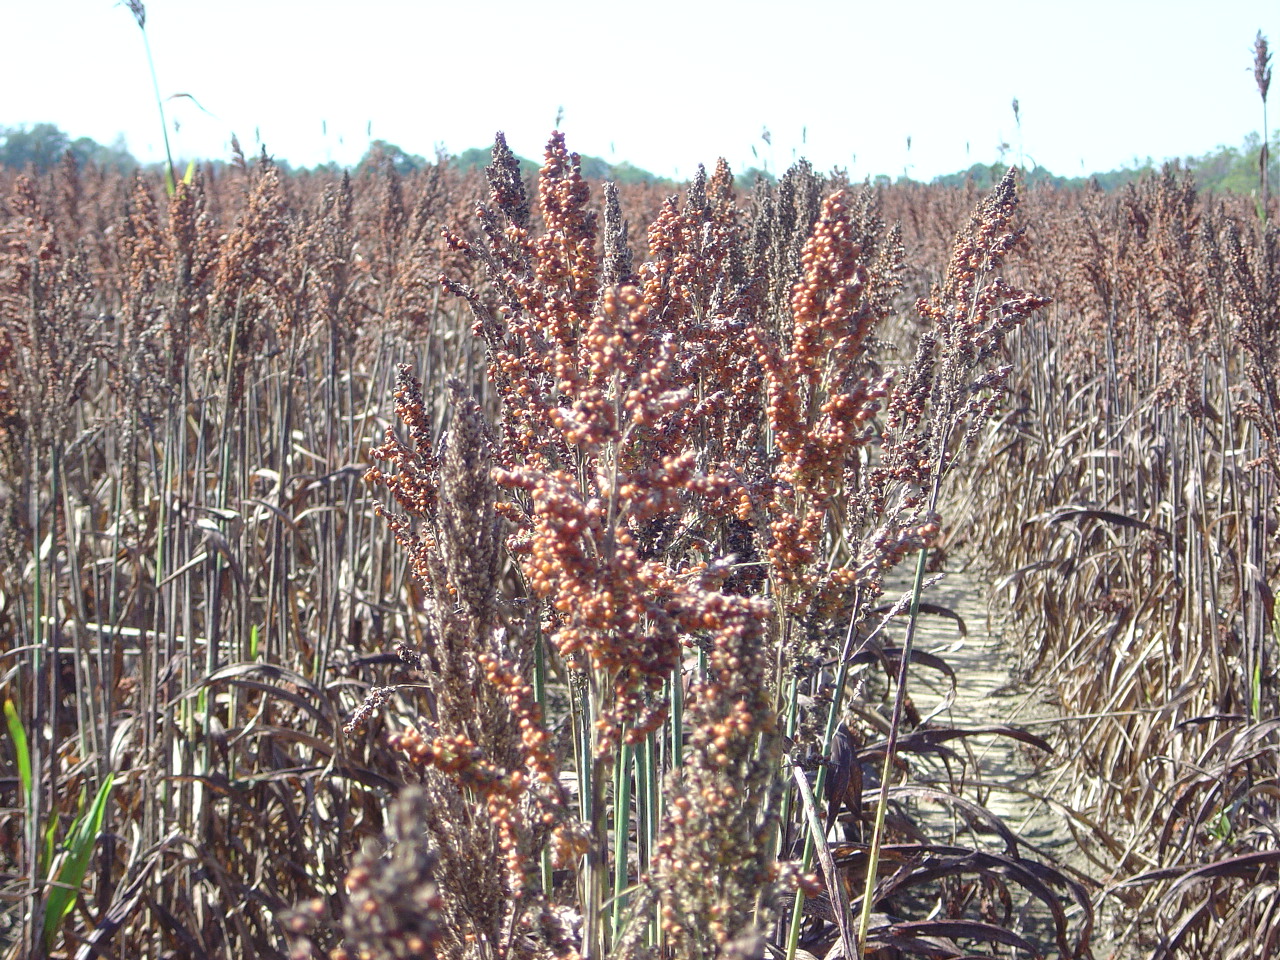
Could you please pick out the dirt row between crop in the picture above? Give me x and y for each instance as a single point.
(1005, 775)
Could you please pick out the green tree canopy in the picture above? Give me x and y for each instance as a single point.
(380, 151)
(43, 145)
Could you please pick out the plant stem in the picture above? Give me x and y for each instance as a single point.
(621, 829)
(540, 695)
(171, 176)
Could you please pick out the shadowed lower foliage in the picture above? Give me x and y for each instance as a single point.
(612, 666)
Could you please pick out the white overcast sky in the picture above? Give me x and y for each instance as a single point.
(665, 85)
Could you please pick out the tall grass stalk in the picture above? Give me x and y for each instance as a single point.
(1262, 76)
(139, 11)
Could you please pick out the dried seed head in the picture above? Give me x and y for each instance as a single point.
(1262, 68)
(617, 251)
(506, 184)
(394, 909)
(139, 11)
(468, 534)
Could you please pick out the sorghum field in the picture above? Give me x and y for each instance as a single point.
(458, 566)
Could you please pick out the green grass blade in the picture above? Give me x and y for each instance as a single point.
(79, 846)
(50, 841)
(21, 749)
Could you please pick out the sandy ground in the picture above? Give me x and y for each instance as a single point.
(1009, 774)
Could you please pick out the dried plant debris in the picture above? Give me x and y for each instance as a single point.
(465, 564)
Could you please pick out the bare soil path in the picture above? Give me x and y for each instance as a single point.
(1010, 775)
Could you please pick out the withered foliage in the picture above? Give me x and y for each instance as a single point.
(193, 580)
(641, 491)
(1133, 518)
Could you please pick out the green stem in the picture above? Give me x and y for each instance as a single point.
(540, 695)
(653, 816)
(793, 719)
(171, 176)
(677, 718)
(595, 939)
(621, 830)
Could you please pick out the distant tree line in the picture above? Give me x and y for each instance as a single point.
(1226, 169)
(43, 145)
(593, 168)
